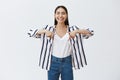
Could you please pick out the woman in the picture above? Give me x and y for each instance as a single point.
(62, 46)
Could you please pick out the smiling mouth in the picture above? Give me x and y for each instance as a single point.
(60, 19)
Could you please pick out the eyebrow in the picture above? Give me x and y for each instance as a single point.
(60, 12)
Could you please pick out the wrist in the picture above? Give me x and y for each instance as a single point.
(77, 31)
(44, 31)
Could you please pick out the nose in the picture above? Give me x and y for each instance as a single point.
(60, 15)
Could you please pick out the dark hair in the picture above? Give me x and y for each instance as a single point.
(66, 21)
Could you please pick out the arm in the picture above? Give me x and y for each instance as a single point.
(82, 31)
(86, 33)
(37, 33)
(47, 32)
(86, 36)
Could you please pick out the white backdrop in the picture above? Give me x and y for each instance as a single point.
(19, 54)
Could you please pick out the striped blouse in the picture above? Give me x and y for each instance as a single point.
(78, 54)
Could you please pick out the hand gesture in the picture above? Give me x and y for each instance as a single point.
(49, 34)
(72, 34)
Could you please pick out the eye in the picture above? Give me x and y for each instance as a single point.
(57, 13)
(63, 13)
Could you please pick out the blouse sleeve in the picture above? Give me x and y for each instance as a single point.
(33, 32)
(86, 36)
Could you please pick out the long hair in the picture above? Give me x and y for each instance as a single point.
(66, 21)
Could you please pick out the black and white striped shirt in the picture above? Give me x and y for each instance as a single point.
(78, 54)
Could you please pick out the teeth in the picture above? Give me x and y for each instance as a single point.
(61, 19)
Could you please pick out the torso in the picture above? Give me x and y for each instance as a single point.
(61, 43)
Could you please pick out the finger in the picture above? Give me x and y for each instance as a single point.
(51, 36)
(69, 33)
(69, 38)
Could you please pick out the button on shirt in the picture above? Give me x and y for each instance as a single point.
(61, 46)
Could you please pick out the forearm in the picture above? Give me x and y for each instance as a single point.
(82, 31)
(41, 32)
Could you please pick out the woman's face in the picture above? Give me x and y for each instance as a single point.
(60, 15)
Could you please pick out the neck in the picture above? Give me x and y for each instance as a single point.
(61, 25)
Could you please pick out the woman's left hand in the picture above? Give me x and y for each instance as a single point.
(72, 34)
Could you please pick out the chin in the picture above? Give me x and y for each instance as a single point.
(61, 21)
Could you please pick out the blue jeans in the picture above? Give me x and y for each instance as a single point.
(60, 66)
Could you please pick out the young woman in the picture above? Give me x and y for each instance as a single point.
(62, 46)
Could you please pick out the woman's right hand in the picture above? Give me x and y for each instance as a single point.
(49, 33)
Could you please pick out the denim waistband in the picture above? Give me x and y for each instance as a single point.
(68, 58)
